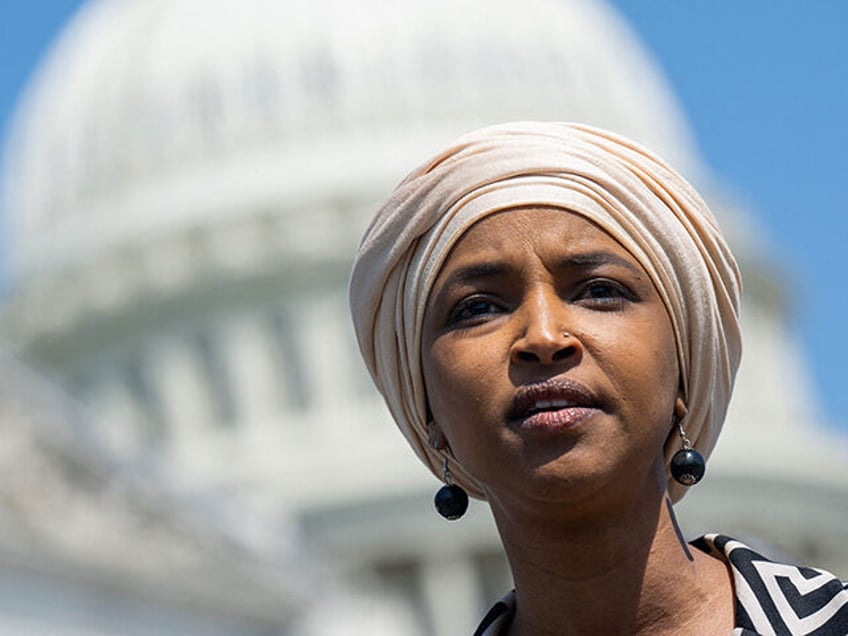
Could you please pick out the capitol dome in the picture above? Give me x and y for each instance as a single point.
(143, 104)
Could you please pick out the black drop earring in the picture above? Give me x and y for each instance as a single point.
(451, 500)
(687, 464)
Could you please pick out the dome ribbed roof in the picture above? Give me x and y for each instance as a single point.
(154, 114)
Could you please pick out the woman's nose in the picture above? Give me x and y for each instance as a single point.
(545, 337)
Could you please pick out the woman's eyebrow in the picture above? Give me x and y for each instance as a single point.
(488, 269)
(596, 259)
(476, 271)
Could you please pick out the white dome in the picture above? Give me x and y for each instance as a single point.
(144, 105)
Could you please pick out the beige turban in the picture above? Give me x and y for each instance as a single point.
(620, 186)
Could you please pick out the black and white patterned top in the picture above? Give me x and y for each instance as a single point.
(772, 599)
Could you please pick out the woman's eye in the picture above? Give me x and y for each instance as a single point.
(471, 309)
(605, 293)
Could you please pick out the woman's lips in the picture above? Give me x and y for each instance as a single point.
(554, 404)
(557, 419)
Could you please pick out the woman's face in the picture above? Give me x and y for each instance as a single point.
(549, 360)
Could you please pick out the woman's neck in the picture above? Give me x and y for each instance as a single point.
(628, 573)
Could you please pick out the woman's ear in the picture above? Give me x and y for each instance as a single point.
(436, 437)
(680, 409)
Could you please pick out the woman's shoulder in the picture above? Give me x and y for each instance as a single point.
(777, 597)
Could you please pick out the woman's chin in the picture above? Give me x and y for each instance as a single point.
(571, 484)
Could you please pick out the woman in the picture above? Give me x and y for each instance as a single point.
(551, 315)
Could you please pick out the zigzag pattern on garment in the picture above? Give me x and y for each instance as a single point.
(781, 599)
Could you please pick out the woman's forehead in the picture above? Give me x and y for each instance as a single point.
(558, 232)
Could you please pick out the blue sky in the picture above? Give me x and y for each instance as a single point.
(765, 86)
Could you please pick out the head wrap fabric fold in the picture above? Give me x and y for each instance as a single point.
(623, 188)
